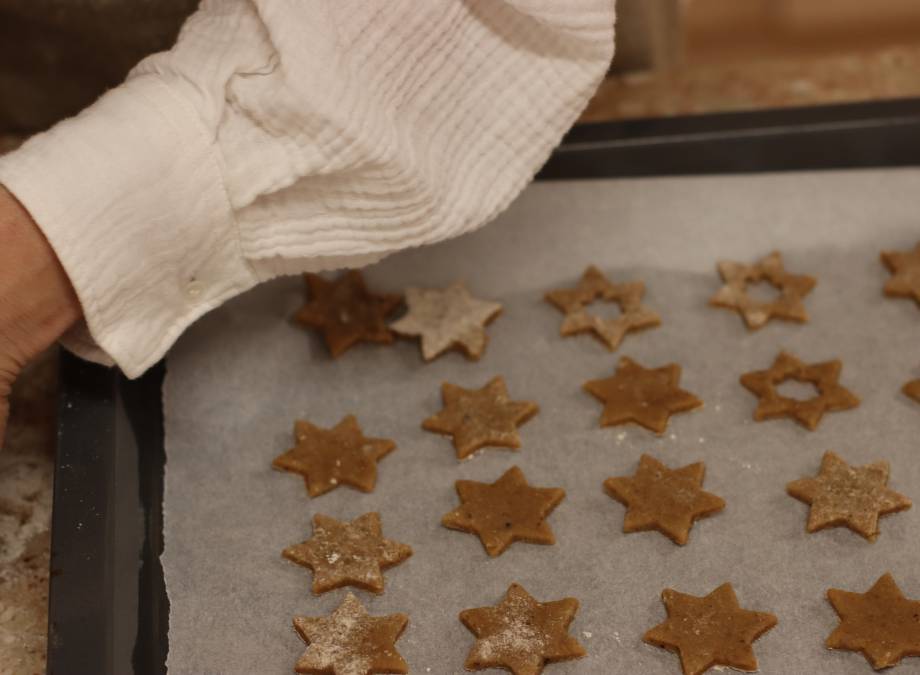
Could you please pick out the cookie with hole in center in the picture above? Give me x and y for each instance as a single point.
(791, 289)
(831, 395)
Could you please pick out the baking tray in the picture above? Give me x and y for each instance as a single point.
(108, 610)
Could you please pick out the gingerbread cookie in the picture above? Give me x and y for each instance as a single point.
(881, 623)
(476, 418)
(327, 458)
(845, 496)
(346, 312)
(347, 554)
(663, 499)
(520, 634)
(646, 396)
(594, 286)
(710, 631)
(905, 270)
(912, 389)
(791, 288)
(448, 319)
(824, 376)
(505, 511)
(351, 642)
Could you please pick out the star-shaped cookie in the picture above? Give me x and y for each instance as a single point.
(843, 495)
(327, 458)
(505, 511)
(351, 642)
(476, 418)
(663, 499)
(347, 554)
(881, 623)
(646, 396)
(824, 376)
(520, 634)
(710, 631)
(905, 270)
(791, 287)
(594, 286)
(912, 389)
(448, 319)
(346, 312)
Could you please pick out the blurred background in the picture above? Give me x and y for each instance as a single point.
(674, 57)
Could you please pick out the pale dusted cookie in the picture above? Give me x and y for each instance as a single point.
(327, 458)
(831, 395)
(351, 642)
(791, 287)
(710, 631)
(505, 511)
(663, 499)
(476, 418)
(520, 634)
(347, 554)
(848, 496)
(881, 623)
(905, 273)
(594, 286)
(645, 396)
(447, 319)
(345, 312)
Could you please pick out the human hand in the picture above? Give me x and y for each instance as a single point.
(37, 302)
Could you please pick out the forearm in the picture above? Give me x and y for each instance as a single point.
(37, 302)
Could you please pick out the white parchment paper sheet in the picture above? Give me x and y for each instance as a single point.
(238, 379)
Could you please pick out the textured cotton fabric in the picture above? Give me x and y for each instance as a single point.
(281, 136)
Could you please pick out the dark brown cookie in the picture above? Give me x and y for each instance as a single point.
(346, 312)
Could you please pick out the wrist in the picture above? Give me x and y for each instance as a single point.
(37, 302)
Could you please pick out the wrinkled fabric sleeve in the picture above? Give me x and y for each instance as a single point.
(281, 136)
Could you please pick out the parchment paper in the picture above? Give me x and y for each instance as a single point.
(239, 378)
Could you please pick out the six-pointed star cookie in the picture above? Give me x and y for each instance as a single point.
(476, 418)
(448, 319)
(592, 287)
(646, 396)
(905, 269)
(327, 458)
(912, 389)
(351, 642)
(791, 287)
(520, 634)
(881, 623)
(843, 495)
(824, 376)
(505, 511)
(346, 312)
(663, 499)
(347, 554)
(710, 631)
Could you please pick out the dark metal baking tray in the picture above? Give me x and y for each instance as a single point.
(109, 613)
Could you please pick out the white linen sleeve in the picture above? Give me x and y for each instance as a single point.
(280, 136)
